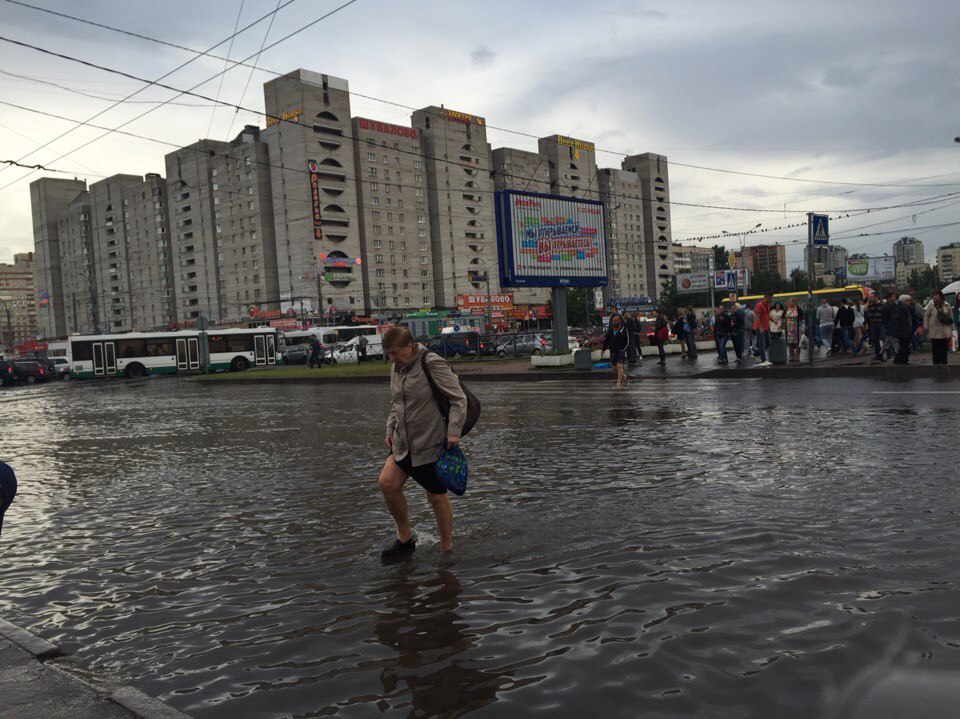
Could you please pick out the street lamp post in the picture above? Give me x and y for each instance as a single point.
(743, 259)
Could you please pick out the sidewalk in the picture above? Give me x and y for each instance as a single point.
(33, 687)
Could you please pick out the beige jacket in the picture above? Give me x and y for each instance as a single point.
(415, 422)
(935, 329)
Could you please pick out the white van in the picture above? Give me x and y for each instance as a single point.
(349, 353)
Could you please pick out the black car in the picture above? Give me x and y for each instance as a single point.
(457, 344)
(31, 371)
(8, 375)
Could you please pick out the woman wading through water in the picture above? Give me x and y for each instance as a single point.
(415, 435)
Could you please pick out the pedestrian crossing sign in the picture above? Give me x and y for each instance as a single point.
(819, 230)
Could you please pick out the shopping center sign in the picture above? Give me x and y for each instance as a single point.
(468, 303)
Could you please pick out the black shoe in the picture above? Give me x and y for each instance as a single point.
(661, 362)
(396, 548)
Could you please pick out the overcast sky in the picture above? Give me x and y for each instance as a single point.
(845, 92)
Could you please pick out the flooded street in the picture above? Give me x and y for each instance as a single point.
(683, 548)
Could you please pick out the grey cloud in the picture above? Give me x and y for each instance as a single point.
(482, 56)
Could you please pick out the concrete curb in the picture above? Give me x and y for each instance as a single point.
(878, 371)
(131, 699)
(41, 649)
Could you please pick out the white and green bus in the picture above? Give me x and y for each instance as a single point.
(141, 354)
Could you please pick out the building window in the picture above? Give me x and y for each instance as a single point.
(374, 186)
(377, 244)
(216, 200)
(417, 177)
(371, 157)
(419, 192)
(416, 164)
(421, 219)
(372, 171)
(377, 230)
(249, 190)
(423, 246)
(213, 172)
(375, 201)
(378, 258)
(376, 214)
(422, 233)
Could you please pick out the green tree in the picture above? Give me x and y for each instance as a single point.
(580, 307)
(719, 257)
(799, 280)
(669, 299)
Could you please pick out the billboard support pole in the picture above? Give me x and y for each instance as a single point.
(489, 303)
(713, 281)
(560, 334)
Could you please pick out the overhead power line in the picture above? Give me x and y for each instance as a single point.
(149, 83)
(907, 183)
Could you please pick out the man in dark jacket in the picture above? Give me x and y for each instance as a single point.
(901, 327)
(691, 318)
(874, 318)
(316, 353)
(889, 302)
(721, 332)
(737, 322)
(845, 320)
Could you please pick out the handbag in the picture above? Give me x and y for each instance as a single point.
(944, 318)
(451, 469)
(663, 333)
(443, 402)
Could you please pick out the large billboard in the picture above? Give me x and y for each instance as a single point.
(550, 241)
(871, 269)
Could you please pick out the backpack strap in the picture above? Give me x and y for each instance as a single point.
(438, 396)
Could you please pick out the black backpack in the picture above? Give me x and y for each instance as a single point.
(443, 402)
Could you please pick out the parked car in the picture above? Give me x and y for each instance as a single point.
(31, 371)
(8, 375)
(349, 352)
(61, 367)
(456, 344)
(523, 344)
(300, 354)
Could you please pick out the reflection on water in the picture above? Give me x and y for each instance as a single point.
(710, 549)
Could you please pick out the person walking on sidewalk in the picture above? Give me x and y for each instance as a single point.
(680, 332)
(845, 320)
(901, 327)
(721, 332)
(791, 330)
(632, 326)
(859, 336)
(938, 321)
(825, 320)
(749, 338)
(873, 317)
(761, 326)
(617, 340)
(416, 433)
(692, 327)
(737, 321)
(889, 340)
(661, 332)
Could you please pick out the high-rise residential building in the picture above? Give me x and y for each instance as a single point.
(624, 207)
(459, 193)
(690, 258)
(908, 250)
(527, 171)
(904, 270)
(325, 212)
(50, 198)
(396, 257)
(18, 300)
(221, 242)
(832, 257)
(764, 258)
(655, 194)
(948, 263)
(572, 165)
(309, 136)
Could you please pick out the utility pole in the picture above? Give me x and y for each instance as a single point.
(810, 287)
(320, 295)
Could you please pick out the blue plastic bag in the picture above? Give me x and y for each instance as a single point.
(451, 469)
(602, 365)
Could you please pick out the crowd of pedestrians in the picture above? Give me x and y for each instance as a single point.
(893, 327)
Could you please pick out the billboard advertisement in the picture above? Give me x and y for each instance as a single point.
(550, 241)
(871, 269)
(468, 303)
(693, 281)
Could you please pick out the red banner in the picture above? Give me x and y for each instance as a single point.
(314, 169)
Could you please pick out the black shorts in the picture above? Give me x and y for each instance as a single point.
(425, 475)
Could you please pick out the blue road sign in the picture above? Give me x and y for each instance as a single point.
(819, 229)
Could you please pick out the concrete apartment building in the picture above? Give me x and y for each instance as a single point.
(18, 300)
(948, 263)
(831, 258)
(308, 121)
(764, 258)
(908, 250)
(323, 210)
(655, 195)
(689, 258)
(396, 257)
(50, 198)
(459, 193)
(221, 246)
(621, 193)
(905, 269)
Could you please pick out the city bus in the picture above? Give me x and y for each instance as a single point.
(141, 354)
(849, 292)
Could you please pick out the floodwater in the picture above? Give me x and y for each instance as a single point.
(682, 548)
